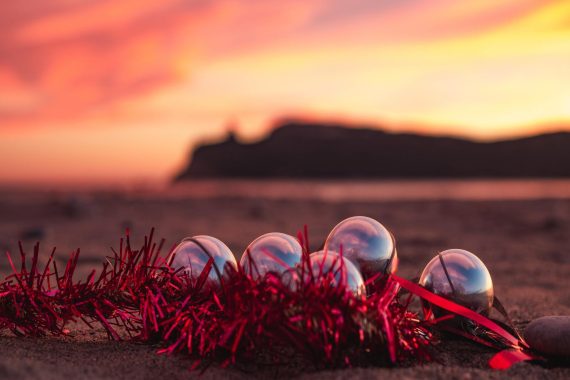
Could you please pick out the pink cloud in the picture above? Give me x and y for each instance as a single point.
(69, 58)
(80, 57)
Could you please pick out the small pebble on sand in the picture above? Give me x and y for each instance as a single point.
(549, 335)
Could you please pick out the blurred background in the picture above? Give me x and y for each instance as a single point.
(234, 118)
(105, 92)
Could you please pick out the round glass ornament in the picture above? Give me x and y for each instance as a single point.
(273, 252)
(366, 243)
(344, 271)
(461, 277)
(323, 264)
(192, 255)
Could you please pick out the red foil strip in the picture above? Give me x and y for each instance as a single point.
(504, 359)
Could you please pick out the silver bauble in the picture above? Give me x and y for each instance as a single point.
(273, 252)
(459, 276)
(344, 271)
(322, 265)
(366, 243)
(192, 255)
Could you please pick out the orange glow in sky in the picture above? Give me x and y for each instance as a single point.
(119, 90)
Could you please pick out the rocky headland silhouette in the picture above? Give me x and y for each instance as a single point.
(296, 149)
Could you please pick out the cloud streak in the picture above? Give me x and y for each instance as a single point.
(74, 58)
(176, 65)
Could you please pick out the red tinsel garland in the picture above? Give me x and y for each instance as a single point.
(136, 292)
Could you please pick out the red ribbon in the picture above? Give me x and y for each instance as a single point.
(506, 358)
(502, 360)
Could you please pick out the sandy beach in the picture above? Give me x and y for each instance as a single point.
(448, 122)
(524, 243)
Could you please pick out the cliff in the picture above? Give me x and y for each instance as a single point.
(301, 150)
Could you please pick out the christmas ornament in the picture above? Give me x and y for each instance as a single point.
(344, 271)
(366, 243)
(273, 252)
(191, 256)
(460, 276)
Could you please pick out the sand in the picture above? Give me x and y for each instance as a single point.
(525, 245)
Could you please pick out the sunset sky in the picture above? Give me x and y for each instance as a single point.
(106, 91)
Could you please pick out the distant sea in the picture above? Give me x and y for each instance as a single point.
(358, 190)
(319, 190)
